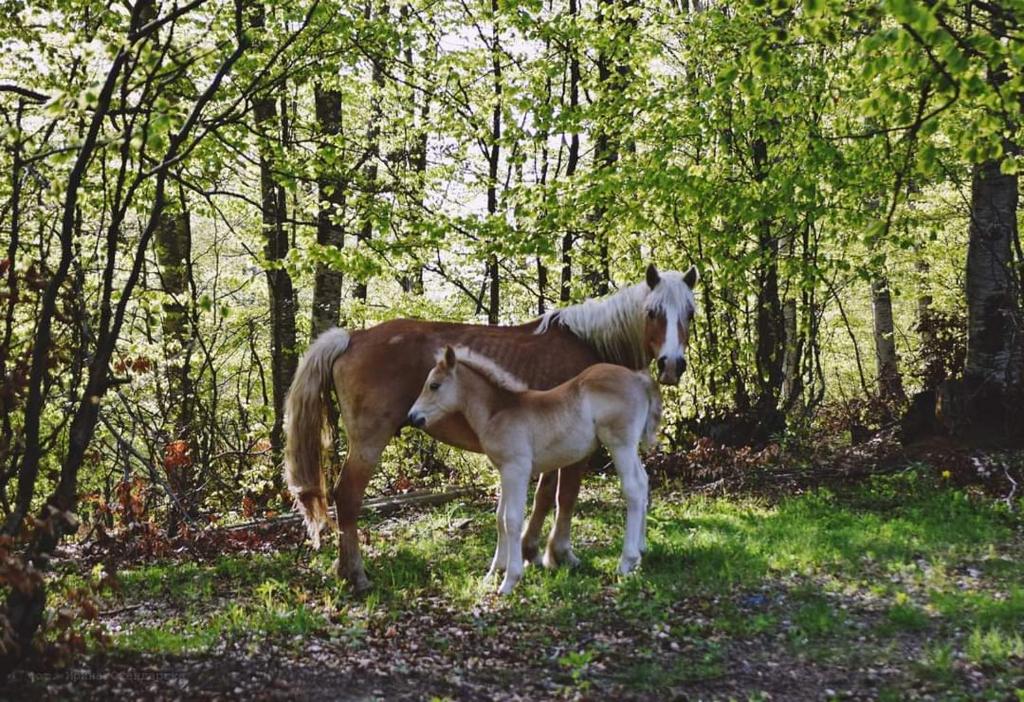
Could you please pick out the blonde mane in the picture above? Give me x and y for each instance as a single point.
(487, 367)
(614, 325)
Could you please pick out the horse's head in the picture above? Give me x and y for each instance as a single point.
(669, 308)
(440, 393)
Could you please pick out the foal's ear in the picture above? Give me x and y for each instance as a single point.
(691, 277)
(449, 357)
(653, 277)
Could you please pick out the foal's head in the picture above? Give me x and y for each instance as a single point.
(440, 394)
(669, 306)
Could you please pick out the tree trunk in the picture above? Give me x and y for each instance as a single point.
(370, 173)
(613, 73)
(995, 336)
(329, 230)
(173, 238)
(493, 160)
(572, 160)
(890, 382)
(279, 283)
(769, 320)
(791, 381)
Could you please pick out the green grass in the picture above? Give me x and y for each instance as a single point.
(797, 580)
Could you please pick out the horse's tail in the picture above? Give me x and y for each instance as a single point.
(306, 429)
(649, 439)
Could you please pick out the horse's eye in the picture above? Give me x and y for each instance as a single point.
(651, 314)
(435, 386)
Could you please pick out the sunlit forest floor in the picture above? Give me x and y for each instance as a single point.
(898, 587)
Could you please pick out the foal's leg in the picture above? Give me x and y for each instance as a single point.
(515, 482)
(629, 468)
(543, 501)
(559, 550)
(645, 485)
(348, 500)
(500, 559)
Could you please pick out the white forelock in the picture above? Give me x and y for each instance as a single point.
(615, 324)
(487, 368)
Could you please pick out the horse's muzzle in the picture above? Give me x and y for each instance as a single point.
(669, 372)
(415, 419)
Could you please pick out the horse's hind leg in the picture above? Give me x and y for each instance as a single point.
(500, 559)
(559, 550)
(348, 499)
(543, 501)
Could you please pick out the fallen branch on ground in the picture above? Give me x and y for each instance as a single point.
(381, 505)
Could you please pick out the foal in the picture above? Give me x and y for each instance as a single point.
(528, 432)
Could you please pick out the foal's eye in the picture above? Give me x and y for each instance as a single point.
(435, 386)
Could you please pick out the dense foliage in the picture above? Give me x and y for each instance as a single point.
(194, 189)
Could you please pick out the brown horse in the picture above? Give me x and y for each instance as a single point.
(378, 373)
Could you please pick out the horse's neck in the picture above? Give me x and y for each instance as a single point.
(610, 327)
(481, 399)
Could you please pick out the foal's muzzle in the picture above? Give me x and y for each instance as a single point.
(415, 419)
(670, 370)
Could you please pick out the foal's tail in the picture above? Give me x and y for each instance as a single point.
(306, 430)
(649, 439)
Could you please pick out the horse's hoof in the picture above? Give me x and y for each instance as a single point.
(628, 565)
(361, 585)
(358, 580)
(531, 552)
(554, 559)
(506, 588)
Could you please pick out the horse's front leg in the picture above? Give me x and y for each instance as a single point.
(500, 559)
(629, 468)
(515, 481)
(559, 550)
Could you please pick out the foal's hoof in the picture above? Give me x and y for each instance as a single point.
(507, 586)
(627, 564)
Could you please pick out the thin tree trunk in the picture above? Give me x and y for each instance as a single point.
(371, 171)
(613, 72)
(791, 382)
(279, 283)
(493, 160)
(769, 324)
(573, 159)
(173, 238)
(329, 230)
(418, 108)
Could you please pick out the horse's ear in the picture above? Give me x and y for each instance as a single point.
(449, 357)
(691, 277)
(653, 278)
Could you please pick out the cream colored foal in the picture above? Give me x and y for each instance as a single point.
(529, 432)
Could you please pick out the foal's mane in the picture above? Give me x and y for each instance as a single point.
(614, 325)
(488, 368)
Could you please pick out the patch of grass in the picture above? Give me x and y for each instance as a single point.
(817, 618)
(982, 609)
(717, 572)
(936, 664)
(993, 646)
(651, 675)
(905, 616)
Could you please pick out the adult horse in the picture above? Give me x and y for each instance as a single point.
(378, 373)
